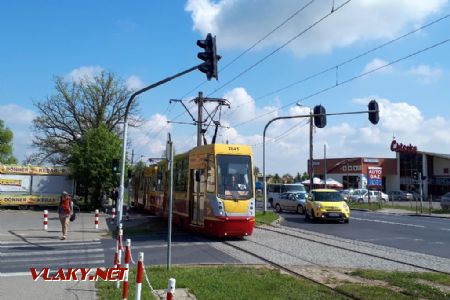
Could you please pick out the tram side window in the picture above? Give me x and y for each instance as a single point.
(181, 175)
(211, 179)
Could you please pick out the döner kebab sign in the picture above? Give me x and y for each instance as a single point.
(399, 147)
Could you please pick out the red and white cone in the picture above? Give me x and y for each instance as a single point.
(139, 274)
(171, 289)
(45, 219)
(127, 266)
(96, 219)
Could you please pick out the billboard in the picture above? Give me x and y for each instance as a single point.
(14, 183)
(375, 176)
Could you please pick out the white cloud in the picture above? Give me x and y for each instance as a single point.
(19, 120)
(150, 138)
(237, 23)
(377, 63)
(15, 114)
(134, 83)
(85, 72)
(425, 73)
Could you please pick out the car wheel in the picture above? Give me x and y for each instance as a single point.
(313, 218)
(307, 217)
(300, 210)
(271, 202)
(278, 208)
(346, 221)
(360, 200)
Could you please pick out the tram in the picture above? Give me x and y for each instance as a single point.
(213, 190)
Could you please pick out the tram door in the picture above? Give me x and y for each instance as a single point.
(197, 196)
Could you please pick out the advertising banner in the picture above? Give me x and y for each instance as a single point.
(34, 170)
(375, 176)
(14, 183)
(13, 200)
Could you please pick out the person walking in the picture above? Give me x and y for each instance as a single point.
(114, 197)
(65, 210)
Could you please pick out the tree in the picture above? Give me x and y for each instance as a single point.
(75, 108)
(256, 171)
(305, 176)
(91, 161)
(276, 178)
(287, 178)
(6, 149)
(298, 177)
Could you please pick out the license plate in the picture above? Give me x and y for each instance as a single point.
(334, 214)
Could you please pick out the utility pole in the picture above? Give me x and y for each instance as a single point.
(311, 165)
(199, 102)
(325, 162)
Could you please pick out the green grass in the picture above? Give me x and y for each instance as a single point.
(224, 282)
(266, 218)
(408, 283)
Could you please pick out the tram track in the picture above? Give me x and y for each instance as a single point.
(421, 267)
(303, 271)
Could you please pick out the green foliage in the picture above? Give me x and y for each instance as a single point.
(276, 178)
(6, 136)
(266, 218)
(91, 161)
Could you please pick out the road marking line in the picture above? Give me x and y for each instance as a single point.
(52, 258)
(388, 222)
(50, 252)
(446, 229)
(47, 242)
(38, 245)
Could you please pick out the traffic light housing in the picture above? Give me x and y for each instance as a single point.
(415, 175)
(373, 112)
(320, 121)
(209, 67)
(115, 165)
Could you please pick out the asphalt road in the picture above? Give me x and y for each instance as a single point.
(420, 234)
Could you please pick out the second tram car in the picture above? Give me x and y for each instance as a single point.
(213, 190)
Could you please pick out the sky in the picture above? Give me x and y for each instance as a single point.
(279, 58)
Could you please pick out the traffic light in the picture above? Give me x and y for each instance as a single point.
(320, 121)
(115, 165)
(373, 112)
(130, 173)
(209, 67)
(415, 175)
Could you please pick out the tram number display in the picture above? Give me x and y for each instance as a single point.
(234, 148)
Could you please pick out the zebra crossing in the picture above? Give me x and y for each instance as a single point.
(17, 257)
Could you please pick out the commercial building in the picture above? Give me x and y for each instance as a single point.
(406, 171)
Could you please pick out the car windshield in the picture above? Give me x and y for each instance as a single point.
(327, 196)
(300, 196)
(234, 175)
(294, 188)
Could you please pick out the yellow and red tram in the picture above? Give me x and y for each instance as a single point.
(214, 190)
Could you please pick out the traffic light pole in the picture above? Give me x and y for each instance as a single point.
(311, 115)
(119, 203)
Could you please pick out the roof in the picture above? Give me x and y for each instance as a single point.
(441, 155)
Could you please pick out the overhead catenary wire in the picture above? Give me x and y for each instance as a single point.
(279, 48)
(337, 66)
(249, 49)
(345, 81)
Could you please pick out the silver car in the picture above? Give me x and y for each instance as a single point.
(290, 202)
(445, 201)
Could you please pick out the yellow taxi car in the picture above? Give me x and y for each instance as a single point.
(326, 204)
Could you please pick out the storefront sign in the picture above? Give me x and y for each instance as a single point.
(399, 147)
(375, 176)
(6, 200)
(34, 170)
(371, 160)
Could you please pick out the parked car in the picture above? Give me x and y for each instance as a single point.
(326, 204)
(290, 202)
(357, 194)
(274, 190)
(346, 194)
(445, 201)
(400, 196)
(373, 196)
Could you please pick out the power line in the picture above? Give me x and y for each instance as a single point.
(279, 48)
(342, 63)
(250, 48)
(347, 81)
(284, 134)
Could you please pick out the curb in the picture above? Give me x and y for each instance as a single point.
(405, 214)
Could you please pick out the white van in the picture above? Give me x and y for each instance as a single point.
(274, 190)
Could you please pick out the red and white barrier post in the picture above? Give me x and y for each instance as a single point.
(171, 289)
(113, 214)
(96, 219)
(45, 219)
(127, 265)
(119, 251)
(139, 274)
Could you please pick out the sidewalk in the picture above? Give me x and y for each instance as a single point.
(26, 227)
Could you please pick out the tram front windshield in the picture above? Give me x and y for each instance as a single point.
(234, 174)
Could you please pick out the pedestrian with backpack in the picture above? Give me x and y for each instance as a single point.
(65, 211)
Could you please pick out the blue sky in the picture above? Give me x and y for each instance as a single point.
(145, 41)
